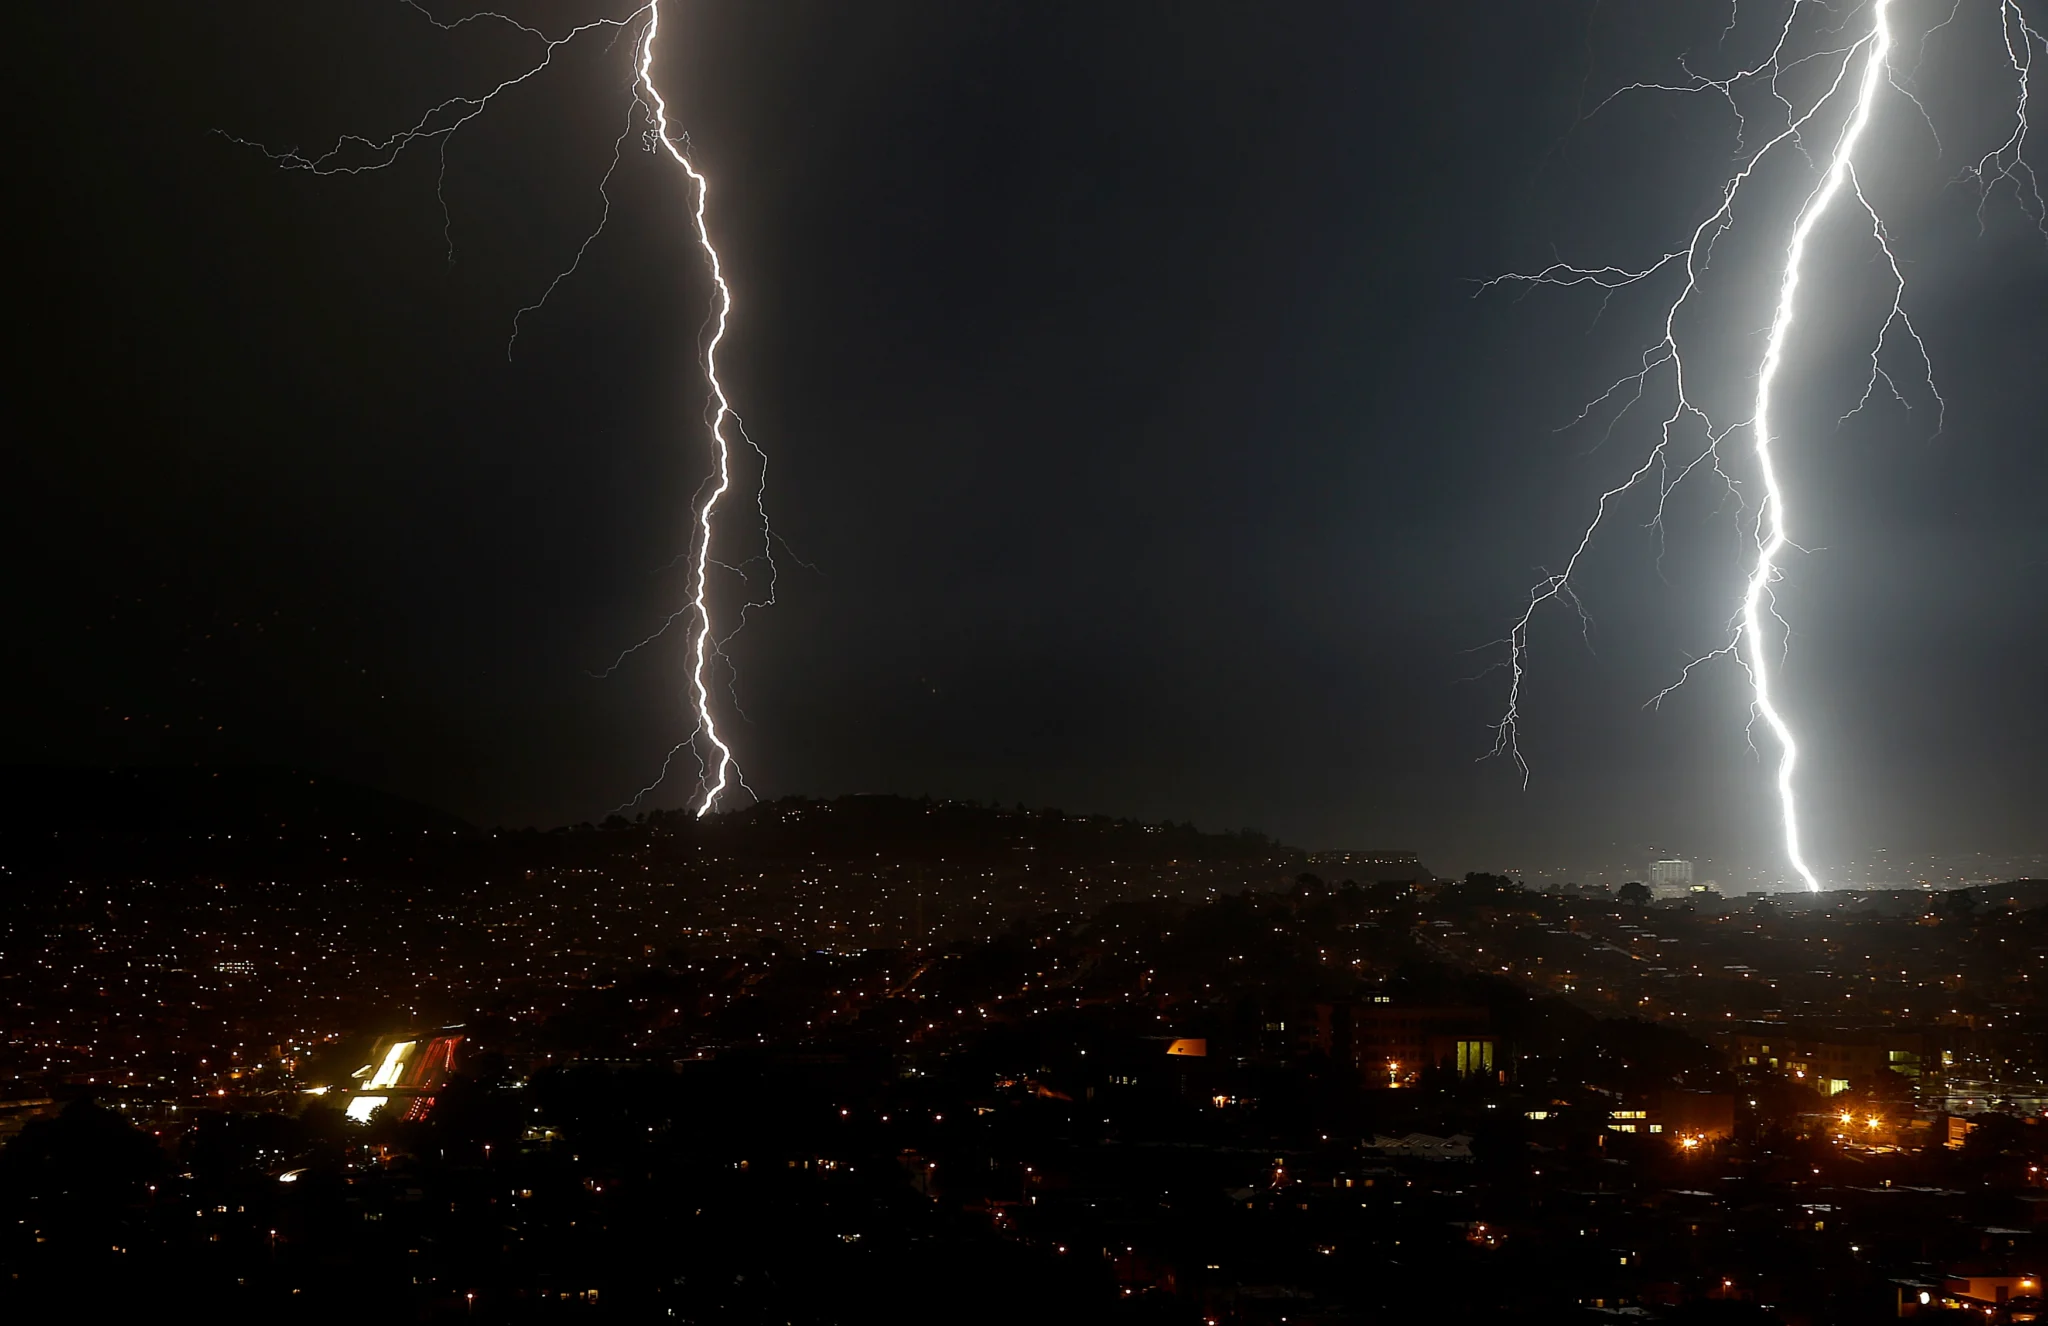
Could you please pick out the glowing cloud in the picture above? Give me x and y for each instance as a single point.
(1856, 72)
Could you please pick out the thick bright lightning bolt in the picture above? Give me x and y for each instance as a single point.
(355, 154)
(1771, 536)
(1855, 73)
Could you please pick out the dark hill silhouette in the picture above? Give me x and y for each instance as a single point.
(906, 828)
(277, 824)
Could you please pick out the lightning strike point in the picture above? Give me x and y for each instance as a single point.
(355, 154)
(1856, 70)
(722, 770)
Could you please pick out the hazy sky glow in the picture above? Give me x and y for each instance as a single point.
(1122, 384)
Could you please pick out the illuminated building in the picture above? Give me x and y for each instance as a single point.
(1391, 1043)
(1686, 1117)
(1670, 877)
(1981, 1289)
(1831, 1065)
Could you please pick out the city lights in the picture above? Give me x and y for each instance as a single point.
(1018, 1134)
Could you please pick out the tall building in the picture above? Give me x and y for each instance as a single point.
(1670, 876)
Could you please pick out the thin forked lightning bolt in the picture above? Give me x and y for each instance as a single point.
(1855, 71)
(354, 154)
(722, 768)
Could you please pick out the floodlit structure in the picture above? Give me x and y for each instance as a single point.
(1671, 875)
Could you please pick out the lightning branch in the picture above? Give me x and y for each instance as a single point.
(1849, 54)
(647, 116)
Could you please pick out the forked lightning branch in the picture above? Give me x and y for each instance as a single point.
(353, 154)
(1849, 59)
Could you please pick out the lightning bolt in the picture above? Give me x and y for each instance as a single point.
(723, 769)
(354, 154)
(1772, 537)
(1855, 72)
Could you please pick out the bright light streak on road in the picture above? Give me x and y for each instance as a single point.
(394, 1064)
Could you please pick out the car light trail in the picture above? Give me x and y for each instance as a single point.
(1856, 69)
(354, 154)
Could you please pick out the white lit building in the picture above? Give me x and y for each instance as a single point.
(1670, 878)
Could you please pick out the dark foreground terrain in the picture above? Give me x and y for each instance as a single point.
(812, 1066)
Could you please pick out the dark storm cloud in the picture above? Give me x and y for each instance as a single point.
(1121, 382)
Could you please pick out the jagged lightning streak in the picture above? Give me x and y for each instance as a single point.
(354, 154)
(723, 768)
(1772, 538)
(1861, 72)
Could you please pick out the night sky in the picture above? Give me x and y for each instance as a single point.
(1123, 387)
